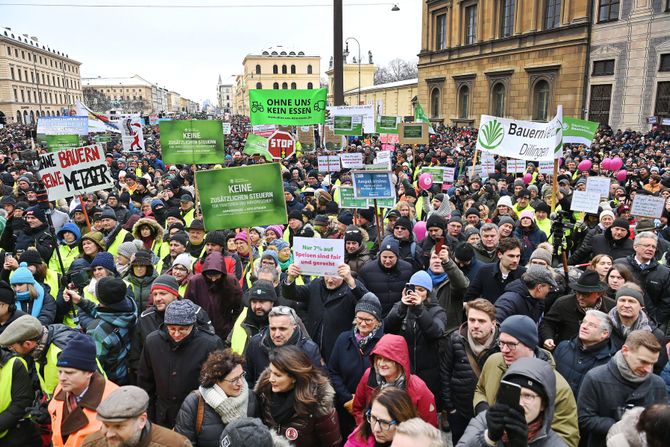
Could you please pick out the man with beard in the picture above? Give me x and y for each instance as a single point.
(217, 292)
(254, 317)
(114, 234)
(125, 423)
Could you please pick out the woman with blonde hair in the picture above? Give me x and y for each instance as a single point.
(602, 264)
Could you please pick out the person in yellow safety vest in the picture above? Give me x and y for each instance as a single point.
(523, 202)
(254, 317)
(177, 245)
(186, 208)
(16, 395)
(111, 229)
(196, 238)
(68, 247)
(79, 392)
(125, 254)
(47, 278)
(542, 212)
(77, 278)
(91, 244)
(150, 233)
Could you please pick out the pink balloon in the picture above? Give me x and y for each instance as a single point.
(622, 175)
(527, 178)
(419, 230)
(425, 181)
(585, 165)
(606, 164)
(616, 164)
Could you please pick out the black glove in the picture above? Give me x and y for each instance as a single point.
(423, 193)
(516, 427)
(39, 412)
(495, 421)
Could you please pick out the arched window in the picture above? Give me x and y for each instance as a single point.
(284, 86)
(435, 103)
(498, 100)
(541, 101)
(284, 70)
(275, 69)
(309, 69)
(32, 117)
(309, 86)
(259, 86)
(258, 69)
(293, 86)
(275, 86)
(18, 117)
(292, 69)
(464, 102)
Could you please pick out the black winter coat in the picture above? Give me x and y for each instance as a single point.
(38, 238)
(573, 361)
(655, 281)
(581, 254)
(458, 379)
(517, 301)
(562, 321)
(168, 371)
(488, 282)
(387, 284)
(604, 244)
(329, 312)
(423, 327)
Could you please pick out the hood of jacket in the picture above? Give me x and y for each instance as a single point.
(539, 371)
(214, 262)
(393, 347)
(610, 239)
(157, 229)
(72, 228)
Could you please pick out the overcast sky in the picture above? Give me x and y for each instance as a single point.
(185, 50)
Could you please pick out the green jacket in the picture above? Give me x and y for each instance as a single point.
(565, 417)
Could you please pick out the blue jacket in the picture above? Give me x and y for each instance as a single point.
(573, 361)
(529, 241)
(488, 283)
(517, 301)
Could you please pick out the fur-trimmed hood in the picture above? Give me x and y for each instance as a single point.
(325, 393)
(156, 227)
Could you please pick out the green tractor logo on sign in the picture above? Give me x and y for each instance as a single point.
(491, 135)
(257, 107)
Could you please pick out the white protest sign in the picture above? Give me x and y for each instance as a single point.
(75, 171)
(227, 127)
(546, 167)
(488, 163)
(516, 166)
(585, 201)
(600, 185)
(352, 160)
(525, 140)
(383, 157)
(318, 257)
(448, 176)
(131, 133)
(329, 163)
(647, 206)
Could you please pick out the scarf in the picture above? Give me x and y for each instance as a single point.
(284, 265)
(33, 306)
(397, 383)
(363, 341)
(533, 429)
(477, 348)
(147, 241)
(228, 408)
(625, 371)
(282, 406)
(437, 278)
(642, 323)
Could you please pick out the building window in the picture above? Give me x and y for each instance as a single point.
(275, 86)
(284, 70)
(275, 69)
(310, 86)
(552, 14)
(470, 24)
(663, 66)
(11, 69)
(284, 86)
(23, 96)
(599, 104)
(435, 103)
(663, 100)
(258, 69)
(441, 32)
(292, 69)
(608, 10)
(603, 68)
(9, 51)
(541, 101)
(498, 100)
(464, 102)
(507, 18)
(309, 69)
(16, 96)
(293, 86)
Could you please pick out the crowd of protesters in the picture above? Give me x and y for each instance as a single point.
(485, 308)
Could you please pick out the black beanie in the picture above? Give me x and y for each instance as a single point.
(621, 222)
(464, 252)
(435, 221)
(295, 214)
(404, 222)
(7, 294)
(472, 210)
(216, 237)
(110, 291)
(179, 237)
(79, 353)
(527, 382)
(31, 257)
(353, 233)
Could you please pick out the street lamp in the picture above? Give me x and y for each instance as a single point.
(359, 63)
(395, 8)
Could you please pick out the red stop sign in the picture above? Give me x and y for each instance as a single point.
(281, 144)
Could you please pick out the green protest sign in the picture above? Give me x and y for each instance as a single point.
(58, 142)
(288, 107)
(192, 141)
(349, 201)
(242, 197)
(387, 124)
(437, 173)
(256, 144)
(102, 138)
(347, 125)
(579, 131)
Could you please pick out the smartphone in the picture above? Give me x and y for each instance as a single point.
(439, 244)
(8, 254)
(410, 288)
(509, 393)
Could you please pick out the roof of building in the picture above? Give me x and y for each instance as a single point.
(281, 50)
(104, 82)
(33, 41)
(396, 84)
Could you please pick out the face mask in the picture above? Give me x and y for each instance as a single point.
(23, 296)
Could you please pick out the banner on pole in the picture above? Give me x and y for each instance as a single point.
(132, 136)
(600, 185)
(96, 121)
(352, 160)
(227, 128)
(317, 256)
(546, 167)
(525, 140)
(240, 197)
(347, 125)
(387, 124)
(62, 125)
(255, 144)
(331, 141)
(288, 107)
(364, 115)
(585, 201)
(192, 142)
(579, 131)
(413, 133)
(75, 171)
(647, 206)
(305, 136)
(349, 201)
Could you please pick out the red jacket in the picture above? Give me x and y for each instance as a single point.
(394, 347)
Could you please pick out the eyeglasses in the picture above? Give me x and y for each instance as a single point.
(384, 425)
(528, 397)
(509, 345)
(237, 379)
(268, 263)
(365, 320)
(179, 268)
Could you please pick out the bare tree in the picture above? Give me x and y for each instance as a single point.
(396, 70)
(96, 100)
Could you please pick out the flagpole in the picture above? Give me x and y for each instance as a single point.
(474, 163)
(554, 186)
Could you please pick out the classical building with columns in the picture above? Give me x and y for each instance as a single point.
(629, 63)
(511, 58)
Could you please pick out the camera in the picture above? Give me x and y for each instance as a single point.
(80, 279)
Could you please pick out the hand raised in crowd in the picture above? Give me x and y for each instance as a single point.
(344, 271)
(410, 298)
(549, 344)
(444, 254)
(495, 421)
(71, 295)
(292, 273)
(10, 263)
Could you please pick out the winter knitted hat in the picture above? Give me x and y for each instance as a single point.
(110, 291)
(370, 303)
(167, 283)
(181, 313)
(522, 328)
(106, 260)
(22, 275)
(79, 354)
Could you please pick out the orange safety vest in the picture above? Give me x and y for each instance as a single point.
(75, 439)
